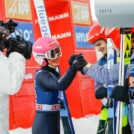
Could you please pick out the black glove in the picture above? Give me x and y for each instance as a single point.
(28, 50)
(25, 49)
(20, 46)
(101, 93)
(71, 59)
(120, 93)
(78, 63)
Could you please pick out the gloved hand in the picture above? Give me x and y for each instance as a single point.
(120, 93)
(25, 49)
(78, 63)
(101, 93)
(20, 46)
(28, 50)
(71, 59)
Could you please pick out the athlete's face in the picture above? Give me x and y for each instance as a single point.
(55, 62)
(101, 46)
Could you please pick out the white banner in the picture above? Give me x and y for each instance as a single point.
(42, 18)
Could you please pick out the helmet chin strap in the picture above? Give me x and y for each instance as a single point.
(52, 66)
(105, 55)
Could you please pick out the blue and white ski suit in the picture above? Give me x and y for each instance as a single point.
(47, 86)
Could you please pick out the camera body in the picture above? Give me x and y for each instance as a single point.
(11, 43)
(115, 13)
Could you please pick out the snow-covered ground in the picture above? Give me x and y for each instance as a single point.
(87, 125)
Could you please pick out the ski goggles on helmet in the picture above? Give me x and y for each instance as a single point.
(53, 53)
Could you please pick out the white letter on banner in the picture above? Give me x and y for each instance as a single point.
(42, 17)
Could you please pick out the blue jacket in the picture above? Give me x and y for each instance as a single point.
(103, 75)
(46, 98)
(102, 62)
(48, 84)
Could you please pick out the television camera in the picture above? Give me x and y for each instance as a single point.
(12, 39)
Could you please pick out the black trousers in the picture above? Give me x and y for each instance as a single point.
(46, 123)
(126, 129)
(102, 127)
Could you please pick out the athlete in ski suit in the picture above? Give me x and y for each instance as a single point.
(110, 76)
(96, 36)
(12, 72)
(48, 83)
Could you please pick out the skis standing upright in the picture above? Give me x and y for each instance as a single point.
(111, 60)
(131, 94)
(125, 52)
(65, 113)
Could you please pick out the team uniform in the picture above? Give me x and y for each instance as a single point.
(109, 76)
(104, 113)
(48, 87)
(48, 84)
(97, 37)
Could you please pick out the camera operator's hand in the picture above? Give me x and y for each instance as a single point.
(20, 46)
(25, 49)
(28, 52)
(78, 63)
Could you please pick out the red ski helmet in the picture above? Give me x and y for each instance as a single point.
(132, 30)
(132, 34)
(45, 48)
(95, 33)
(114, 34)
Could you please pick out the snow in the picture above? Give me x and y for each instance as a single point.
(81, 125)
(86, 125)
